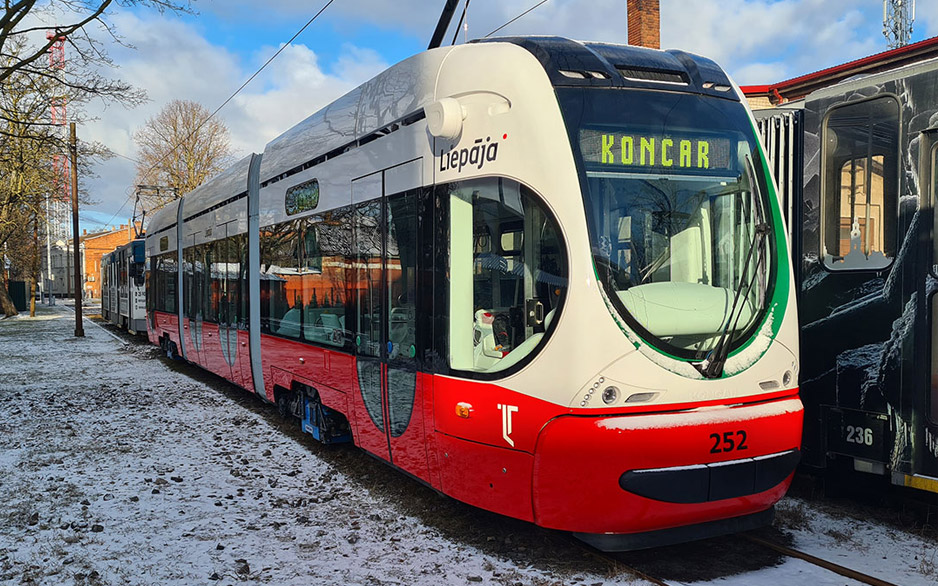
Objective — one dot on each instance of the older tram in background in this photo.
(123, 291)
(857, 161)
(547, 278)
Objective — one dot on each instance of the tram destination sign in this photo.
(660, 152)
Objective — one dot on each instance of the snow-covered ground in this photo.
(119, 467)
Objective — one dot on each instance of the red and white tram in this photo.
(547, 278)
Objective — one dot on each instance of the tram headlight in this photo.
(786, 378)
(641, 397)
(610, 395)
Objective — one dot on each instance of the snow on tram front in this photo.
(547, 278)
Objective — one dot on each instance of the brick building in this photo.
(91, 247)
(97, 245)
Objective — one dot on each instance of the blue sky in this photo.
(241, 34)
(206, 56)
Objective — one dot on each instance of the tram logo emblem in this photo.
(483, 150)
(507, 410)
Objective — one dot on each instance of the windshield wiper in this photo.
(712, 366)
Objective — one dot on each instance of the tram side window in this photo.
(210, 292)
(933, 386)
(164, 283)
(122, 271)
(304, 278)
(154, 301)
(237, 274)
(281, 293)
(190, 283)
(327, 239)
(225, 284)
(861, 180)
(196, 275)
(507, 273)
(215, 276)
(244, 321)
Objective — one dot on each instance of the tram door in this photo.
(192, 283)
(226, 274)
(389, 421)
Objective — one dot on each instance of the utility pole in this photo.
(898, 16)
(73, 153)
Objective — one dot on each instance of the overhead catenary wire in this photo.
(225, 103)
(262, 67)
(515, 18)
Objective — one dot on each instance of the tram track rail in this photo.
(814, 560)
(616, 561)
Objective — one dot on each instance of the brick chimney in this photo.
(644, 23)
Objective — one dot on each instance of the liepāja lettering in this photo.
(482, 151)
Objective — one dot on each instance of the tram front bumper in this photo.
(651, 472)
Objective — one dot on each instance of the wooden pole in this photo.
(73, 153)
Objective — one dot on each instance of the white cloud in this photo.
(296, 87)
(172, 60)
(804, 35)
(760, 73)
(926, 18)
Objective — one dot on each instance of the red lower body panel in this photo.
(488, 477)
(580, 461)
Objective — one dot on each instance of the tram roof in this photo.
(583, 63)
(230, 183)
(398, 95)
(164, 217)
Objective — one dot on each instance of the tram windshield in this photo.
(677, 212)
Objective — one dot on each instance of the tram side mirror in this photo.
(444, 118)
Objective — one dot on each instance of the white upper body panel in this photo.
(509, 104)
(162, 225)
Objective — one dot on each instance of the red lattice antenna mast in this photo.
(58, 108)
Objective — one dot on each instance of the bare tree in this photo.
(38, 24)
(28, 177)
(31, 84)
(180, 147)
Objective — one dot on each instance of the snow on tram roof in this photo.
(389, 97)
(163, 217)
(231, 182)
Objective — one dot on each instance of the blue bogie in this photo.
(324, 424)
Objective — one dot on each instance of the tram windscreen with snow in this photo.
(675, 197)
